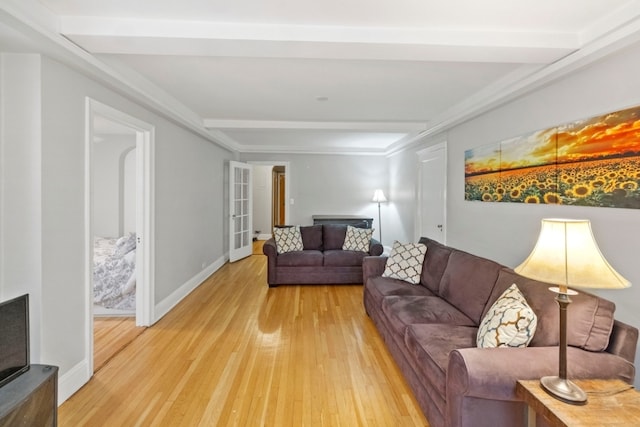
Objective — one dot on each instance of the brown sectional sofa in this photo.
(430, 329)
(322, 260)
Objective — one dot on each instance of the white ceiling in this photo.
(332, 75)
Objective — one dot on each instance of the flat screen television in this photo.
(14, 338)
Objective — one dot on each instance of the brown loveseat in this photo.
(322, 260)
(430, 329)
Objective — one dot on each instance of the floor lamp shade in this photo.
(566, 254)
(378, 197)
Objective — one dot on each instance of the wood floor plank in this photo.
(237, 353)
(111, 335)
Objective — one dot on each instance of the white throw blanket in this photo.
(114, 267)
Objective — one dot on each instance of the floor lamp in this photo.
(378, 197)
(567, 254)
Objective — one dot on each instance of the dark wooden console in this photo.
(31, 399)
(342, 219)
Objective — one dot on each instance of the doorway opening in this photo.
(118, 187)
(271, 189)
(279, 206)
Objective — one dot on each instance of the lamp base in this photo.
(564, 390)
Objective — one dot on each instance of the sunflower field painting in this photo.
(592, 162)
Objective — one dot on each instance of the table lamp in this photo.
(566, 254)
(378, 197)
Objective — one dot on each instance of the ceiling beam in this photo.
(315, 125)
(173, 37)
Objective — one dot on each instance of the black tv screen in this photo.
(14, 338)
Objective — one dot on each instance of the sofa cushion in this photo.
(380, 287)
(589, 318)
(430, 345)
(510, 322)
(405, 262)
(333, 236)
(288, 239)
(357, 239)
(300, 258)
(435, 263)
(340, 258)
(312, 237)
(402, 311)
(467, 283)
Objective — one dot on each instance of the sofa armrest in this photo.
(375, 248)
(623, 340)
(492, 373)
(270, 250)
(372, 266)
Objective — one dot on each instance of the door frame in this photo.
(145, 217)
(425, 155)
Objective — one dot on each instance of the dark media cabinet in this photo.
(31, 399)
(354, 220)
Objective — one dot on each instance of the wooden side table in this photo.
(609, 403)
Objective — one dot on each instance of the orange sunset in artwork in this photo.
(593, 162)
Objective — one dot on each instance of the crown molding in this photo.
(40, 25)
(529, 78)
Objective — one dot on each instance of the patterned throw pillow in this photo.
(288, 239)
(357, 239)
(405, 262)
(510, 322)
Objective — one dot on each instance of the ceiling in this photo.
(331, 76)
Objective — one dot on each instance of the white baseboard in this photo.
(72, 381)
(164, 306)
(264, 236)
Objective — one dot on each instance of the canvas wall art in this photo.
(592, 162)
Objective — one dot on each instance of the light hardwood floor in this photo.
(236, 353)
(110, 336)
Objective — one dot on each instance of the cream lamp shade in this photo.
(567, 254)
(378, 196)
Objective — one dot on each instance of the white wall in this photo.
(43, 202)
(403, 193)
(110, 189)
(262, 198)
(129, 193)
(21, 187)
(332, 184)
(506, 232)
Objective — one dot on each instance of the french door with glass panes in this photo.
(241, 221)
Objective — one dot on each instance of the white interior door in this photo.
(432, 192)
(240, 211)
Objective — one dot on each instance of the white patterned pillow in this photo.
(288, 239)
(510, 322)
(405, 262)
(357, 239)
